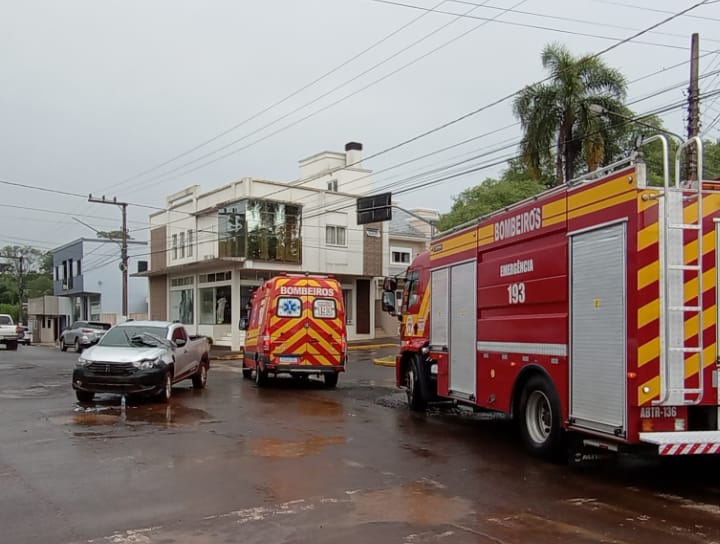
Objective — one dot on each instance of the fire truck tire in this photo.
(415, 385)
(540, 418)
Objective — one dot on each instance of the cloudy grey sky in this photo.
(101, 95)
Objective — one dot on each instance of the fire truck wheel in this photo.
(415, 386)
(539, 418)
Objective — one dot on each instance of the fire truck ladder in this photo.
(674, 312)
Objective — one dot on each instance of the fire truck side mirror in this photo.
(388, 302)
(389, 284)
(243, 324)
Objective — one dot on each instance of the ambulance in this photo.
(296, 326)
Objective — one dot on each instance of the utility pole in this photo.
(694, 106)
(123, 247)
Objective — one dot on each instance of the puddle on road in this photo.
(420, 503)
(287, 449)
(317, 407)
(166, 415)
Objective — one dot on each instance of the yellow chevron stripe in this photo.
(649, 351)
(648, 236)
(648, 274)
(648, 313)
(554, 212)
(601, 205)
(486, 235)
(599, 195)
(653, 386)
(453, 245)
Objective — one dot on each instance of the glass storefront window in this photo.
(215, 305)
(181, 306)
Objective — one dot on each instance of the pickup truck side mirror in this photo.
(180, 342)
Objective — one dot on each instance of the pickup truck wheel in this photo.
(199, 380)
(84, 396)
(78, 347)
(63, 345)
(331, 380)
(12, 345)
(166, 391)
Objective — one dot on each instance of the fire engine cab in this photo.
(588, 313)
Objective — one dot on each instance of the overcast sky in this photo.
(100, 96)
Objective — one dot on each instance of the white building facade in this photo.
(87, 272)
(210, 250)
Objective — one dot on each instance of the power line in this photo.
(655, 10)
(320, 110)
(279, 102)
(525, 25)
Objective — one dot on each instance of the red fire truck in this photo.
(588, 313)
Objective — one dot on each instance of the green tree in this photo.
(556, 118)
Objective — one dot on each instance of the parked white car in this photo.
(83, 334)
(9, 332)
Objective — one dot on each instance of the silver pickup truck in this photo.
(9, 332)
(142, 357)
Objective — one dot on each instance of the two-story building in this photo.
(210, 250)
(87, 272)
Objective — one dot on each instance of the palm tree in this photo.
(556, 113)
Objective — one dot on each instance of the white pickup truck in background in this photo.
(9, 332)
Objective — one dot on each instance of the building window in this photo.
(189, 243)
(181, 306)
(78, 268)
(400, 257)
(181, 243)
(174, 247)
(179, 282)
(332, 185)
(217, 276)
(215, 305)
(261, 230)
(335, 235)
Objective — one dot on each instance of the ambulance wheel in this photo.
(331, 379)
(260, 376)
(415, 386)
(540, 418)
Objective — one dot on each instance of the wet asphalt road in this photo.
(294, 463)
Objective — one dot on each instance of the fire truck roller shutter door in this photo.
(598, 328)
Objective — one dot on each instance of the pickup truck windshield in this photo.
(122, 336)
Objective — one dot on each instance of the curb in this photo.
(382, 362)
(371, 346)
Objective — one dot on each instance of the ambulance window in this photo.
(289, 307)
(324, 308)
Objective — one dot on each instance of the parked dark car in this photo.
(83, 334)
